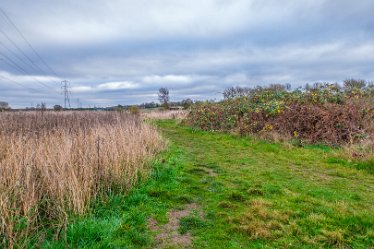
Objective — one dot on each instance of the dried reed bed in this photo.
(56, 164)
(165, 114)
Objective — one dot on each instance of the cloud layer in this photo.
(121, 52)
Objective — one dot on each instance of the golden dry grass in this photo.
(165, 114)
(56, 164)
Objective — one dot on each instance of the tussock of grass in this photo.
(184, 199)
(197, 171)
(256, 191)
(236, 197)
(226, 204)
(190, 223)
(332, 238)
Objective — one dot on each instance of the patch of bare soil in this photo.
(168, 235)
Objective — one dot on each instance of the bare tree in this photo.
(233, 92)
(186, 103)
(279, 87)
(353, 84)
(163, 97)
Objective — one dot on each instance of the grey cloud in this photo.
(121, 52)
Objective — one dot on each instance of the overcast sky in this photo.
(120, 52)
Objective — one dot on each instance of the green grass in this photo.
(191, 223)
(252, 194)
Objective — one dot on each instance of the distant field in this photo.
(164, 114)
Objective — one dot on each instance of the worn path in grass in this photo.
(212, 190)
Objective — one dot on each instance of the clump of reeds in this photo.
(55, 164)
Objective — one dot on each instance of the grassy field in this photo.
(212, 190)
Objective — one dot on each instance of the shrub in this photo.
(329, 123)
(324, 112)
(134, 110)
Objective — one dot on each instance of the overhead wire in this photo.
(13, 53)
(18, 83)
(29, 62)
(20, 69)
(34, 65)
(12, 63)
(15, 65)
(28, 43)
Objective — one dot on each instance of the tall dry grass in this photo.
(56, 164)
(165, 114)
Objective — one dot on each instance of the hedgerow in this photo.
(324, 113)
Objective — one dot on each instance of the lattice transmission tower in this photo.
(65, 91)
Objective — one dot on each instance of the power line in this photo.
(66, 92)
(18, 67)
(9, 61)
(13, 53)
(34, 66)
(79, 103)
(18, 83)
(28, 43)
(23, 53)
(14, 65)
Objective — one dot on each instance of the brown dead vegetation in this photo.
(55, 164)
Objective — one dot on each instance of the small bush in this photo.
(134, 110)
(329, 123)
